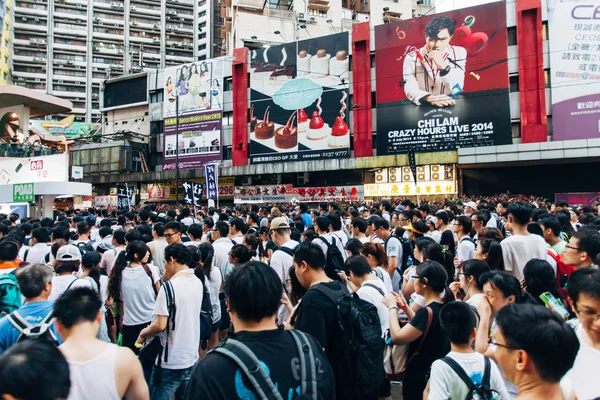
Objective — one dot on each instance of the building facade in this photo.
(68, 47)
(6, 16)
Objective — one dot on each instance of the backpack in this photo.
(407, 251)
(563, 272)
(358, 348)
(10, 295)
(334, 258)
(85, 247)
(153, 348)
(27, 331)
(206, 319)
(251, 367)
(476, 392)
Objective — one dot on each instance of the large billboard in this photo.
(299, 100)
(52, 168)
(575, 66)
(442, 81)
(196, 89)
(66, 127)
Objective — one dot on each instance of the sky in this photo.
(449, 5)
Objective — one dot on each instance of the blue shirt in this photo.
(33, 313)
(307, 220)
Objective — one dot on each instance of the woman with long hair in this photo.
(213, 281)
(193, 85)
(469, 273)
(252, 242)
(539, 277)
(407, 282)
(136, 286)
(353, 247)
(265, 244)
(378, 260)
(430, 279)
(89, 271)
(490, 251)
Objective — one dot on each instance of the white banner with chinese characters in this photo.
(410, 189)
(262, 194)
(52, 168)
(329, 193)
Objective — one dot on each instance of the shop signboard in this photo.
(389, 190)
(105, 201)
(329, 193)
(52, 168)
(575, 65)
(263, 194)
(196, 90)
(24, 192)
(299, 100)
(442, 81)
(166, 190)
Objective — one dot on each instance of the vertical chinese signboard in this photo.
(299, 100)
(442, 81)
(195, 89)
(575, 65)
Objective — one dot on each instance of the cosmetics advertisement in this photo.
(299, 101)
(196, 91)
(442, 81)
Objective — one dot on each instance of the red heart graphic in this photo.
(472, 42)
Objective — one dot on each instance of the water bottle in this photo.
(409, 262)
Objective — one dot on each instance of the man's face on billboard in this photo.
(441, 42)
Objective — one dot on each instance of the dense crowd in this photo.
(462, 299)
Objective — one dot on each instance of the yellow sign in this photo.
(410, 189)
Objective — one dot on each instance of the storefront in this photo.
(166, 191)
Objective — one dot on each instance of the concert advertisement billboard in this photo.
(442, 81)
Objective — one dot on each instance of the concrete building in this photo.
(6, 41)
(68, 47)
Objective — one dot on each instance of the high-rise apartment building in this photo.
(67, 47)
(5, 40)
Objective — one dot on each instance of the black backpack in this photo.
(27, 331)
(85, 247)
(407, 251)
(251, 367)
(334, 260)
(358, 349)
(479, 392)
(206, 318)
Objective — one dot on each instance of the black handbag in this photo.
(151, 350)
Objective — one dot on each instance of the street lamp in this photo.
(174, 98)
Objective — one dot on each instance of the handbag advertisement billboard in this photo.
(195, 89)
(442, 81)
(299, 100)
(575, 65)
(52, 168)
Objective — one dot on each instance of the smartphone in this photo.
(553, 304)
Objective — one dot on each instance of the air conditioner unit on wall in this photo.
(247, 181)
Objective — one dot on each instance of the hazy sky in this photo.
(449, 5)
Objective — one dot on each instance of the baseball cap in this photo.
(162, 215)
(413, 229)
(279, 223)
(92, 257)
(432, 219)
(471, 204)
(400, 208)
(68, 253)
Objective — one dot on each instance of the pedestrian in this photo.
(466, 245)
(214, 282)
(158, 245)
(67, 265)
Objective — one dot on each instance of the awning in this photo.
(49, 188)
(40, 104)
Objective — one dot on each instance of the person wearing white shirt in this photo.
(68, 260)
(179, 331)
(39, 249)
(335, 227)
(359, 229)
(236, 228)
(195, 235)
(222, 245)
(282, 258)
(466, 247)
(322, 229)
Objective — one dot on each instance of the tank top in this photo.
(158, 258)
(95, 378)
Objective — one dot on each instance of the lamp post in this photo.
(175, 98)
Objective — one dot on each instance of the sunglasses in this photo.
(168, 235)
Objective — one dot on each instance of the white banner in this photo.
(52, 168)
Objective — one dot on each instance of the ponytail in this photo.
(116, 276)
(382, 257)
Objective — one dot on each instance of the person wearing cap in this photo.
(282, 258)
(433, 232)
(68, 260)
(470, 208)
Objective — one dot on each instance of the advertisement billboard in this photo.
(287, 193)
(66, 127)
(575, 66)
(442, 81)
(299, 100)
(52, 168)
(196, 90)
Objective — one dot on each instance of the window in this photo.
(202, 36)
(512, 36)
(514, 83)
(228, 84)
(5, 59)
(6, 42)
(544, 30)
(156, 97)
(313, 12)
(202, 14)
(547, 78)
(322, 14)
(202, 47)
(156, 127)
(5, 76)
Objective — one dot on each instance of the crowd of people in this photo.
(14, 148)
(454, 300)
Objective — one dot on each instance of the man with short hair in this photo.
(466, 246)
(551, 228)
(39, 250)
(584, 297)
(173, 232)
(335, 229)
(535, 349)
(459, 323)
(583, 249)
(104, 369)
(83, 234)
(187, 219)
(306, 218)
(9, 251)
(237, 228)
(178, 326)
(447, 236)
(521, 246)
(385, 207)
(109, 257)
(282, 258)
(207, 225)
(479, 220)
(501, 207)
(322, 229)
(158, 245)
(222, 246)
(424, 211)
(359, 229)
(35, 283)
(195, 235)
(393, 249)
(253, 314)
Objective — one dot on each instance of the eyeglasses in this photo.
(572, 247)
(491, 341)
(586, 314)
(475, 220)
(169, 235)
(416, 277)
(462, 273)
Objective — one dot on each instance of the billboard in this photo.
(442, 81)
(575, 66)
(196, 89)
(299, 100)
(66, 127)
(52, 168)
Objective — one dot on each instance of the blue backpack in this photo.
(10, 295)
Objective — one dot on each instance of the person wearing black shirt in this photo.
(430, 282)
(254, 294)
